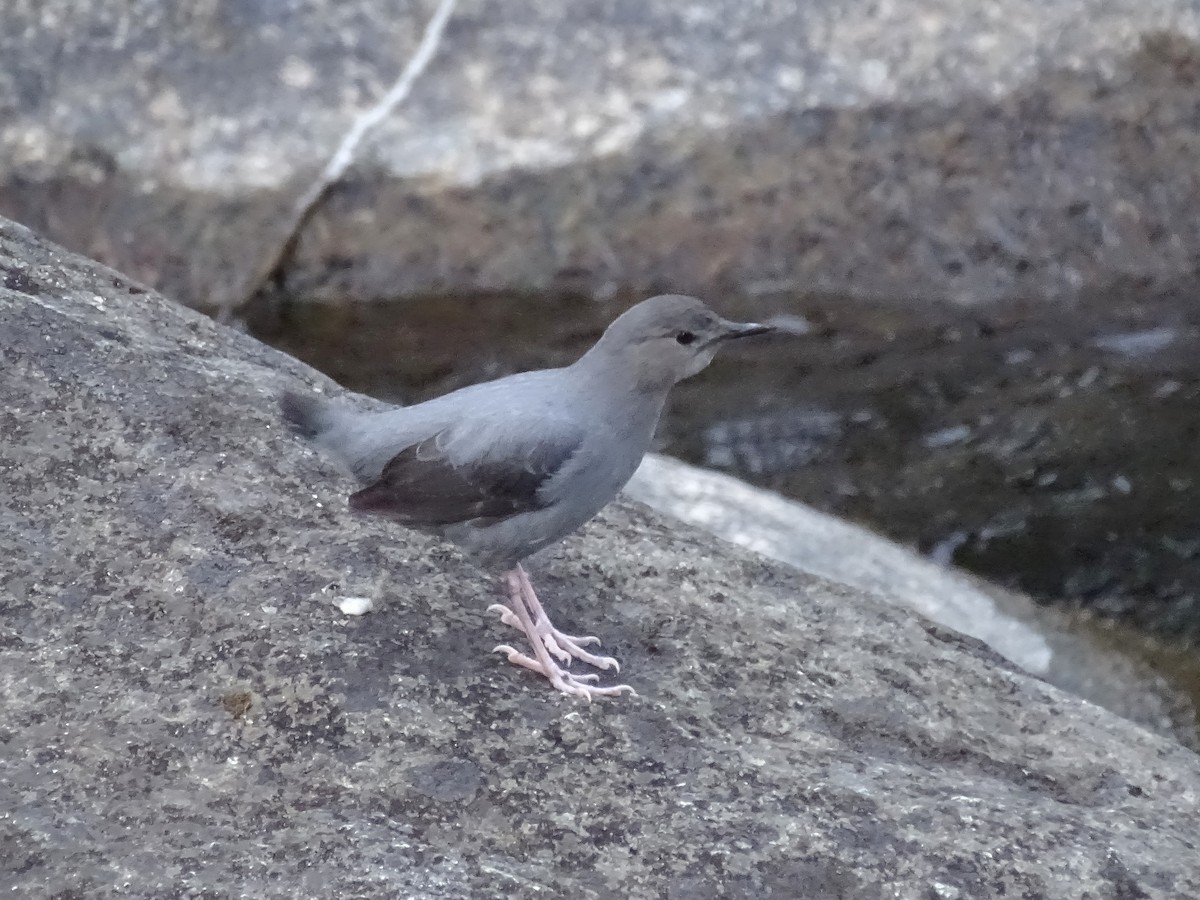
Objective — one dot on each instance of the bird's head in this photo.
(668, 338)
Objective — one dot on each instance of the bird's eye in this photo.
(685, 337)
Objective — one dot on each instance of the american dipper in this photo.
(508, 467)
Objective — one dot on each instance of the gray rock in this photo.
(188, 714)
(1034, 149)
(1049, 643)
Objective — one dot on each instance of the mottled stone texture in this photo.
(1031, 147)
(186, 713)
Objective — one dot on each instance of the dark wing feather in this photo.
(419, 486)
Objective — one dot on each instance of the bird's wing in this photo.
(423, 485)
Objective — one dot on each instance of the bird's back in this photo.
(479, 420)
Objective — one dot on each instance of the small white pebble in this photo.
(1122, 484)
(355, 606)
(270, 610)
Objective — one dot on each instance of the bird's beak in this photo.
(743, 329)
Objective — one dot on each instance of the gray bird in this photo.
(508, 467)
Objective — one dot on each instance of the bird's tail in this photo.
(310, 414)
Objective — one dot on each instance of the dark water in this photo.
(1049, 449)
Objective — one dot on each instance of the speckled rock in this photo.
(187, 713)
(1039, 147)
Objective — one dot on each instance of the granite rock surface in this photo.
(187, 713)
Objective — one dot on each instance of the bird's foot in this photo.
(568, 683)
(564, 647)
(525, 613)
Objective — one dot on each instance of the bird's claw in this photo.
(526, 614)
(567, 682)
(506, 615)
(564, 647)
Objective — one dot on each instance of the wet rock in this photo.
(767, 445)
(187, 713)
(1036, 149)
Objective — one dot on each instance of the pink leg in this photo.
(522, 617)
(564, 647)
